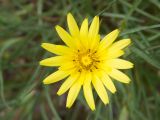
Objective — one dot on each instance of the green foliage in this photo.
(24, 25)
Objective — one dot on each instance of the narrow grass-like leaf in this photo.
(4, 47)
(54, 111)
(146, 57)
(141, 11)
(140, 29)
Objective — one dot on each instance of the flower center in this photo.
(86, 60)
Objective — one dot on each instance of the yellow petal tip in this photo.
(129, 41)
(132, 66)
(40, 63)
(59, 93)
(127, 82)
(43, 45)
(114, 91)
(69, 14)
(106, 103)
(118, 31)
(96, 16)
(56, 27)
(86, 19)
(68, 106)
(93, 109)
(45, 82)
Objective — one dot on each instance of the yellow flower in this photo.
(86, 61)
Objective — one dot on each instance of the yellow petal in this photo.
(72, 25)
(114, 54)
(119, 64)
(84, 33)
(105, 54)
(109, 39)
(67, 39)
(95, 42)
(84, 28)
(108, 83)
(120, 76)
(68, 83)
(73, 93)
(94, 28)
(74, 90)
(82, 77)
(88, 91)
(56, 49)
(100, 89)
(120, 45)
(56, 76)
(53, 61)
(105, 67)
(67, 66)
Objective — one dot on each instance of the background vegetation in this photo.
(25, 24)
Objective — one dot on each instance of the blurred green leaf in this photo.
(123, 114)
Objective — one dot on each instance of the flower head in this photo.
(86, 61)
